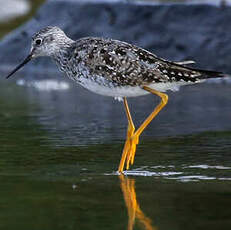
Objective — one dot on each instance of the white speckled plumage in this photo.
(111, 67)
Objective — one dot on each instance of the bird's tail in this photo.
(205, 74)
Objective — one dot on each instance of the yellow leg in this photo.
(133, 137)
(130, 132)
(159, 107)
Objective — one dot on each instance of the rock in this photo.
(175, 32)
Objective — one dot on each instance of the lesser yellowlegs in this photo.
(117, 69)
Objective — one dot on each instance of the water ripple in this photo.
(181, 174)
(208, 167)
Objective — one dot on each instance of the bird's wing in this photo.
(119, 62)
(126, 64)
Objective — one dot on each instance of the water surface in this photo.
(60, 146)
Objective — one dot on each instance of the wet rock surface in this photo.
(175, 32)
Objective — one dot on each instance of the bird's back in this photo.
(121, 64)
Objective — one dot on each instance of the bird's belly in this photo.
(109, 89)
(112, 90)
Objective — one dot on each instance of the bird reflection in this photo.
(134, 212)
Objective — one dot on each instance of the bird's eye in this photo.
(38, 41)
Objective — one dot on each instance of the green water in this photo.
(60, 149)
(59, 153)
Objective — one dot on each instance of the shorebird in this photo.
(117, 69)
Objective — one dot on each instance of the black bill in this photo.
(28, 58)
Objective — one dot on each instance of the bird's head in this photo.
(46, 42)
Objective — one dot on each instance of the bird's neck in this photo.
(63, 55)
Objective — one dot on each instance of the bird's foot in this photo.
(128, 152)
(129, 149)
(134, 140)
